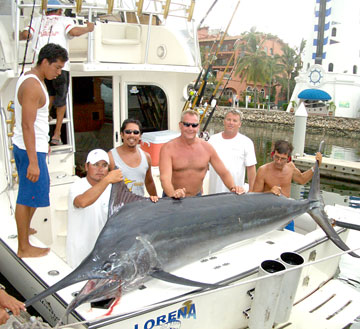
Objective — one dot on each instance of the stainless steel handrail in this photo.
(5, 142)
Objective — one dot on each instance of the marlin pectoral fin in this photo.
(166, 276)
(322, 220)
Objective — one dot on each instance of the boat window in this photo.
(148, 104)
(92, 113)
(333, 32)
(331, 67)
(355, 69)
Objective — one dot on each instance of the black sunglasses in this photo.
(129, 131)
(187, 124)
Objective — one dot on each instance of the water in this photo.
(334, 191)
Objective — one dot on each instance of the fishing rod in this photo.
(215, 55)
(219, 97)
(27, 39)
(196, 85)
(206, 15)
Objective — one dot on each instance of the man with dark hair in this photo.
(55, 28)
(276, 176)
(134, 163)
(30, 140)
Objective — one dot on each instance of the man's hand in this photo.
(90, 26)
(11, 303)
(114, 176)
(276, 190)
(237, 190)
(179, 193)
(33, 172)
(154, 198)
(318, 157)
(4, 316)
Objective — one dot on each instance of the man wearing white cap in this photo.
(88, 206)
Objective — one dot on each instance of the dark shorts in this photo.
(32, 194)
(58, 88)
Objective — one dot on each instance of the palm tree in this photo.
(253, 64)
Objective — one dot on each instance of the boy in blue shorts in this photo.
(31, 137)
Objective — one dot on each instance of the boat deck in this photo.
(333, 168)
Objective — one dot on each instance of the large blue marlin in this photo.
(143, 239)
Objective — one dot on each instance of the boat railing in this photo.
(6, 148)
(100, 48)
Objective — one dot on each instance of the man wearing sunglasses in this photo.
(276, 176)
(184, 161)
(88, 205)
(134, 163)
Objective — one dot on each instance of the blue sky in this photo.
(291, 20)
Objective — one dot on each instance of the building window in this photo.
(333, 32)
(355, 69)
(331, 67)
(271, 51)
(262, 92)
(248, 89)
(265, 50)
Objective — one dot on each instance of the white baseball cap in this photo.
(96, 156)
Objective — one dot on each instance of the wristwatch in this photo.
(2, 287)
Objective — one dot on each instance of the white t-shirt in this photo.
(51, 29)
(237, 153)
(84, 224)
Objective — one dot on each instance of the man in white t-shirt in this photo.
(88, 206)
(237, 153)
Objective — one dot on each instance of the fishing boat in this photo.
(139, 62)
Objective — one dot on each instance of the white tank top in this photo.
(41, 124)
(134, 178)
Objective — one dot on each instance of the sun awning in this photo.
(314, 94)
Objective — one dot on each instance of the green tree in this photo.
(253, 64)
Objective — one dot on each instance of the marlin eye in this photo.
(107, 267)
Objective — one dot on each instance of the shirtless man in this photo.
(185, 160)
(276, 177)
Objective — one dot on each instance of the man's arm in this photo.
(259, 183)
(303, 178)
(92, 194)
(223, 173)
(30, 96)
(165, 166)
(149, 181)
(11, 303)
(80, 30)
(23, 35)
(251, 174)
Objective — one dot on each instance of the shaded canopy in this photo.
(314, 94)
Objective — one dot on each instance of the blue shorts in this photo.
(290, 226)
(32, 194)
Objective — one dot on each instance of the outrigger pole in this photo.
(203, 83)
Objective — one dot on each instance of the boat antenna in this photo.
(28, 38)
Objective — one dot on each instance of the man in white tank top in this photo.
(134, 163)
(30, 142)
